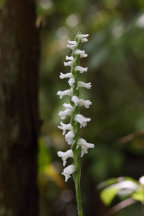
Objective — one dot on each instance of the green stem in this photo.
(76, 128)
(78, 193)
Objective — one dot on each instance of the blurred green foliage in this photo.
(116, 70)
(127, 190)
(44, 157)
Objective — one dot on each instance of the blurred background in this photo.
(116, 70)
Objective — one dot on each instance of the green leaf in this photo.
(138, 195)
(107, 195)
(124, 188)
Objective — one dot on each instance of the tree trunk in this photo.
(19, 55)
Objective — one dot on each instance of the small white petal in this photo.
(81, 69)
(67, 75)
(68, 171)
(71, 81)
(64, 93)
(81, 53)
(65, 155)
(84, 146)
(65, 127)
(69, 137)
(69, 58)
(84, 85)
(81, 102)
(82, 120)
(69, 63)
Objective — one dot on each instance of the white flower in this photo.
(69, 58)
(68, 171)
(84, 85)
(66, 112)
(65, 155)
(69, 106)
(64, 93)
(84, 146)
(81, 102)
(71, 81)
(72, 44)
(83, 37)
(69, 137)
(84, 40)
(65, 127)
(81, 69)
(69, 63)
(81, 53)
(82, 120)
(67, 75)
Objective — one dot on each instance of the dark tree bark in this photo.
(19, 55)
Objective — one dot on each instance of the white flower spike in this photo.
(71, 130)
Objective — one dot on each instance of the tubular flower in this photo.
(69, 137)
(63, 93)
(84, 85)
(81, 102)
(63, 76)
(81, 53)
(82, 120)
(65, 155)
(79, 146)
(65, 113)
(85, 146)
(65, 127)
(81, 69)
(68, 171)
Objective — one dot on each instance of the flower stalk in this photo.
(79, 146)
